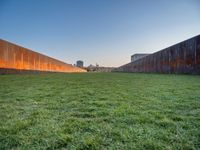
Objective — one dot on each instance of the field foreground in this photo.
(99, 111)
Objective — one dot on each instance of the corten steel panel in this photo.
(197, 58)
(15, 58)
(183, 57)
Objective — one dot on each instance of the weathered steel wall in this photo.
(183, 57)
(14, 57)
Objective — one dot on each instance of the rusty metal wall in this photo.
(183, 57)
(19, 58)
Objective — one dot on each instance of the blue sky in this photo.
(106, 32)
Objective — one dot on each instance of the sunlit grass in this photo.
(99, 111)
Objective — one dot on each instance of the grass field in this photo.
(100, 111)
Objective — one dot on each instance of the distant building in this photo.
(79, 63)
(97, 68)
(137, 56)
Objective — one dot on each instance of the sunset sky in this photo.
(106, 32)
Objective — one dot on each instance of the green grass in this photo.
(100, 111)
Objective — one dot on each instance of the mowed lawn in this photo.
(100, 111)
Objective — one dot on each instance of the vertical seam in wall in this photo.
(14, 59)
(169, 60)
(39, 63)
(6, 56)
(34, 63)
(22, 60)
(195, 52)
